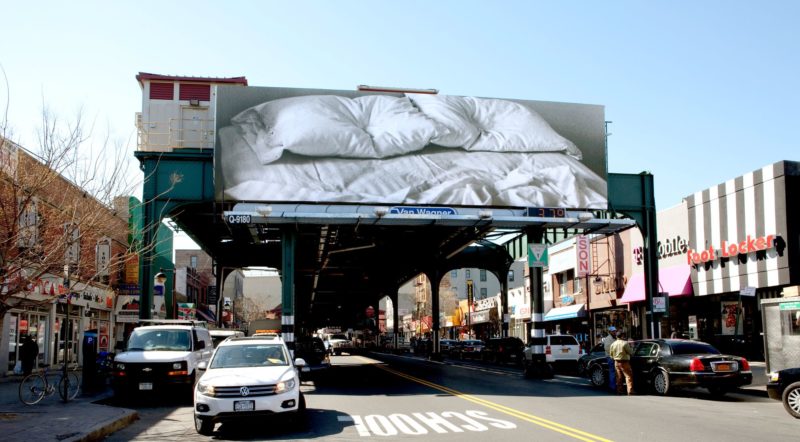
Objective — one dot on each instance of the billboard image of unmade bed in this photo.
(328, 146)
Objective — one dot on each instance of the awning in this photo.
(207, 316)
(676, 280)
(570, 311)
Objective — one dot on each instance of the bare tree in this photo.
(58, 231)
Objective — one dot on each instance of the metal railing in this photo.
(174, 133)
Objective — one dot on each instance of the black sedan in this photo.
(586, 360)
(666, 364)
(784, 385)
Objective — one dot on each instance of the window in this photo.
(483, 274)
(193, 261)
(161, 91)
(455, 291)
(483, 292)
(466, 273)
(511, 275)
(562, 283)
(454, 274)
(201, 92)
(576, 284)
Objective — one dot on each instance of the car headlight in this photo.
(205, 389)
(774, 377)
(120, 366)
(177, 365)
(284, 386)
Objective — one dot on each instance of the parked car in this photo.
(504, 350)
(784, 385)
(558, 350)
(467, 349)
(252, 377)
(445, 345)
(159, 357)
(596, 352)
(312, 350)
(666, 364)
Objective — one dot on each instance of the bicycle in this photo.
(35, 386)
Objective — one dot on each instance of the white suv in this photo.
(557, 349)
(246, 378)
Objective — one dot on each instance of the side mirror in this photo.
(201, 345)
(202, 365)
(300, 363)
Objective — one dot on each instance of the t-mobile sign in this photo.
(582, 252)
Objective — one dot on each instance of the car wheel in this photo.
(791, 399)
(717, 391)
(203, 426)
(598, 376)
(661, 382)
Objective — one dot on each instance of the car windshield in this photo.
(473, 342)
(160, 340)
(693, 348)
(251, 355)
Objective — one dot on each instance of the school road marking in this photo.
(536, 420)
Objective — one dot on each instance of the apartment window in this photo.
(483, 293)
(562, 283)
(511, 276)
(466, 273)
(483, 274)
(193, 261)
(576, 284)
(454, 274)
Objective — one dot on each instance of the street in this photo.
(400, 397)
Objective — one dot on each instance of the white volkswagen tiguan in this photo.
(248, 377)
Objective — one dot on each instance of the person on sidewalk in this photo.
(607, 341)
(621, 351)
(28, 354)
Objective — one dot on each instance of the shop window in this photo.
(483, 274)
(561, 278)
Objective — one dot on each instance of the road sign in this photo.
(537, 255)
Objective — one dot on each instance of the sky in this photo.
(697, 92)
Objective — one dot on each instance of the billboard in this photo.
(328, 146)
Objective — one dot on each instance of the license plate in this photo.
(723, 366)
(564, 350)
(145, 385)
(244, 405)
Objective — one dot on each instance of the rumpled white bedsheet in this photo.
(430, 176)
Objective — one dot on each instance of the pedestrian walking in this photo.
(609, 339)
(28, 354)
(621, 351)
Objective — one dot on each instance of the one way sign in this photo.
(537, 255)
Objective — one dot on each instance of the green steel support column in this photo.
(504, 299)
(288, 244)
(650, 252)
(149, 225)
(633, 195)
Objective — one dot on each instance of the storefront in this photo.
(743, 236)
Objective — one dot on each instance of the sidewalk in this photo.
(53, 420)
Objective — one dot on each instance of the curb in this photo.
(108, 427)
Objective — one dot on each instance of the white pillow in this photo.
(490, 124)
(372, 126)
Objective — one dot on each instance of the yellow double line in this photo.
(550, 425)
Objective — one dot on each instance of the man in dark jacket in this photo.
(28, 354)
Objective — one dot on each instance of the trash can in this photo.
(90, 376)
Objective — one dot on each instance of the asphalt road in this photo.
(405, 398)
